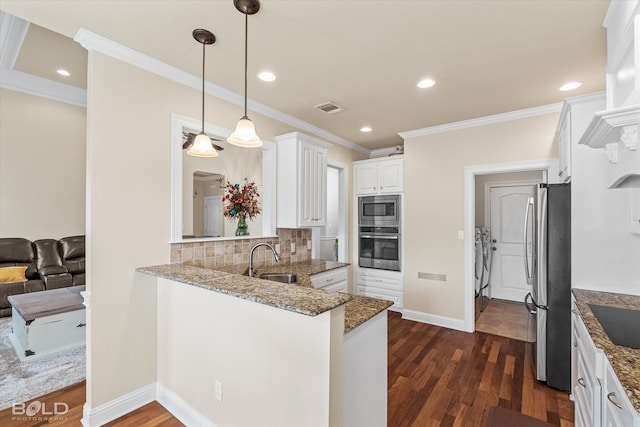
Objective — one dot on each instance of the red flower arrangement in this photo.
(241, 202)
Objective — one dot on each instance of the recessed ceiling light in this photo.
(266, 76)
(63, 72)
(570, 86)
(423, 84)
(365, 129)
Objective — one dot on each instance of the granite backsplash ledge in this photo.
(234, 252)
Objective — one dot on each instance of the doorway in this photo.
(474, 184)
(500, 205)
(330, 242)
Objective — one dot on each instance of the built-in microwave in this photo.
(379, 211)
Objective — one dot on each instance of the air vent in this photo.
(329, 107)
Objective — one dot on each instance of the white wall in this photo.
(434, 201)
(42, 167)
(129, 212)
(277, 368)
(604, 253)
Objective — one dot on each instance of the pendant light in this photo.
(202, 145)
(245, 133)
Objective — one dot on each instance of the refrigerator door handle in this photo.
(531, 306)
(525, 239)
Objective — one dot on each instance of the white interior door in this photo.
(213, 216)
(507, 210)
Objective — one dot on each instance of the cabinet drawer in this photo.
(337, 287)
(379, 279)
(586, 345)
(587, 390)
(617, 408)
(330, 277)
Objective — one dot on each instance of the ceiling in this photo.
(487, 57)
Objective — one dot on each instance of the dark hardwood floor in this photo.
(437, 377)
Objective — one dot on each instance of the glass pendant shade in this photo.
(245, 134)
(202, 147)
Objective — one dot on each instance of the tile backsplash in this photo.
(230, 252)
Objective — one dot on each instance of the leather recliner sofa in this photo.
(50, 264)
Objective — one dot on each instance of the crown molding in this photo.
(481, 121)
(95, 42)
(45, 88)
(12, 33)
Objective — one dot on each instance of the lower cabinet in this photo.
(617, 410)
(331, 280)
(599, 398)
(380, 284)
(585, 384)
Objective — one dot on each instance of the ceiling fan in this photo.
(188, 137)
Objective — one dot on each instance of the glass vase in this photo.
(243, 228)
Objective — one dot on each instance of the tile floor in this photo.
(507, 319)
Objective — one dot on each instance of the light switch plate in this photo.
(308, 244)
(460, 234)
(278, 247)
(293, 247)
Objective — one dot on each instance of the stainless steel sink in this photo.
(280, 277)
(620, 324)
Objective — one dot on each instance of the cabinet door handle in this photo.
(610, 396)
(581, 382)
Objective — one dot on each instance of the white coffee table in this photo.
(47, 322)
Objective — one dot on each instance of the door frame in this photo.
(549, 168)
(487, 198)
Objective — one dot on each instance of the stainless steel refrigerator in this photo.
(547, 256)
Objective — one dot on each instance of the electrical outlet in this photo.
(218, 391)
(278, 247)
(293, 247)
(460, 234)
(308, 244)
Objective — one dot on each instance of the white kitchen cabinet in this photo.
(379, 176)
(331, 280)
(381, 284)
(563, 141)
(586, 361)
(615, 129)
(302, 181)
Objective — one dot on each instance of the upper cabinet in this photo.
(563, 139)
(616, 129)
(378, 176)
(302, 181)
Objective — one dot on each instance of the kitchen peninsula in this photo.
(238, 350)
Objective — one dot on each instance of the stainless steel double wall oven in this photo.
(379, 227)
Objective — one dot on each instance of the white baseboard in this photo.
(100, 415)
(434, 319)
(180, 409)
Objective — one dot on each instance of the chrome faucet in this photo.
(275, 256)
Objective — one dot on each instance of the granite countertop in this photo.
(310, 302)
(301, 298)
(624, 360)
(302, 269)
(360, 309)
(357, 310)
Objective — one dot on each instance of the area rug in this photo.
(23, 381)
